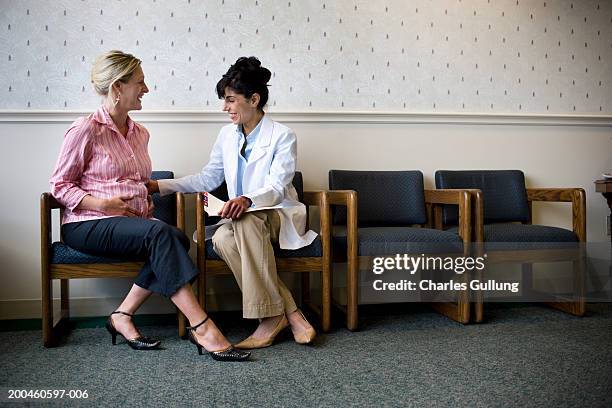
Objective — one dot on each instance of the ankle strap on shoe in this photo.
(123, 313)
(198, 325)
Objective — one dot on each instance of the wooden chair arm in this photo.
(477, 212)
(200, 215)
(320, 199)
(459, 197)
(200, 234)
(314, 197)
(577, 196)
(180, 211)
(552, 194)
(445, 196)
(348, 198)
(477, 215)
(47, 203)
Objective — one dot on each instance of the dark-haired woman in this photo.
(100, 179)
(257, 158)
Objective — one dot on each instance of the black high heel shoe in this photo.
(137, 343)
(229, 354)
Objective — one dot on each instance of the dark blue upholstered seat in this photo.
(63, 254)
(399, 240)
(389, 203)
(509, 236)
(165, 210)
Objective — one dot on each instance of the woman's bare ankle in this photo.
(124, 325)
(211, 337)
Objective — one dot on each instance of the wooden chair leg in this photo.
(477, 299)
(458, 311)
(47, 309)
(51, 329)
(573, 308)
(65, 298)
(580, 268)
(182, 332)
(477, 312)
(202, 289)
(578, 306)
(352, 294)
(463, 307)
(325, 298)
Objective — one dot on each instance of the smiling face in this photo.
(132, 91)
(241, 110)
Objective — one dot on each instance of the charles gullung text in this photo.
(459, 265)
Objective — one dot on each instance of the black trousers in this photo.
(164, 249)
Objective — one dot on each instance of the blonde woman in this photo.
(100, 178)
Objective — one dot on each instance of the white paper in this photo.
(213, 206)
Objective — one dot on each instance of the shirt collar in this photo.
(254, 132)
(102, 116)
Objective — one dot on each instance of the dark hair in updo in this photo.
(246, 77)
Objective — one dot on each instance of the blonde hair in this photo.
(111, 67)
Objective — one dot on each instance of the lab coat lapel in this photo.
(263, 140)
(232, 160)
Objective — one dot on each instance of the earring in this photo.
(116, 100)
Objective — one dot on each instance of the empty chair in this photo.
(378, 213)
(505, 226)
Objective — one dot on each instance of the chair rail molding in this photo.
(349, 117)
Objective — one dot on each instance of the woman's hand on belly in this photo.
(118, 206)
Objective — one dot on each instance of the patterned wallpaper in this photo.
(491, 56)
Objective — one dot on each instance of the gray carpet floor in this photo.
(524, 355)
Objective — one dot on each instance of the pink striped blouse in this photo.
(96, 159)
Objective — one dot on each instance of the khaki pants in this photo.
(246, 246)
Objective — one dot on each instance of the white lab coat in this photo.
(267, 177)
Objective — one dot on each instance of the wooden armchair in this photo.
(503, 227)
(383, 213)
(314, 258)
(60, 262)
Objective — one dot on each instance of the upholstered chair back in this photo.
(385, 198)
(504, 193)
